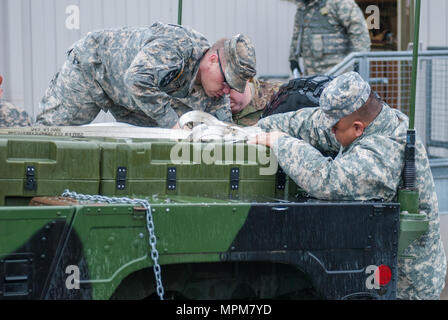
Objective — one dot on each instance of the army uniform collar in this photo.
(248, 110)
(385, 119)
(252, 106)
(196, 67)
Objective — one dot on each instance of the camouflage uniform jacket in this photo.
(12, 116)
(325, 32)
(262, 92)
(370, 168)
(149, 70)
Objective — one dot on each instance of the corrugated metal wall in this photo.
(434, 23)
(35, 34)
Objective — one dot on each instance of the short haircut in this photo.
(219, 45)
(370, 110)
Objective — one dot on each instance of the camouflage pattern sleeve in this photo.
(305, 124)
(154, 67)
(282, 121)
(361, 174)
(12, 116)
(348, 13)
(263, 92)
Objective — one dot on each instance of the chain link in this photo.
(149, 226)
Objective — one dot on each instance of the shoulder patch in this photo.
(169, 75)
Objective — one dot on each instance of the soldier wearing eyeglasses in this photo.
(147, 76)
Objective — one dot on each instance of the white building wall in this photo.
(434, 23)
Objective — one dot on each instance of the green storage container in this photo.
(45, 166)
(215, 170)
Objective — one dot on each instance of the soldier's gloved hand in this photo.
(293, 65)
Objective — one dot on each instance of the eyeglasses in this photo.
(222, 72)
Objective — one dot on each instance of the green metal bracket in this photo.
(179, 13)
(412, 223)
(412, 226)
(414, 65)
(408, 200)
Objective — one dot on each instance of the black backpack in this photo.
(297, 94)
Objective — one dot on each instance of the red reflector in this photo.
(383, 275)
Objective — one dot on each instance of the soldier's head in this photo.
(349, 106)
(227, 65)
(239, 101)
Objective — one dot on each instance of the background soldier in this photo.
(325, 32)
(147, 76)
(371, 139)
(10, 115)
(248, 107)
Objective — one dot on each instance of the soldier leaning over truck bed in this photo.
(370, 138)
(10, 115)
(147, 76)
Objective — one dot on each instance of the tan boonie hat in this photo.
(239, 53)
(342, 96)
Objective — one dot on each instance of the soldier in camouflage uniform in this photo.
(10, 115)
(325, 32)
(147, 76)
(370, 138)
(248, 107)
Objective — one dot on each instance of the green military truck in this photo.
(213, 220)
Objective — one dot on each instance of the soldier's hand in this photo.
(176, 126)
(293, 65)
(266, 138)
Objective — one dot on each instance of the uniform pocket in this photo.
(335, 43)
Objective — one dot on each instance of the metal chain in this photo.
(149, 226)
